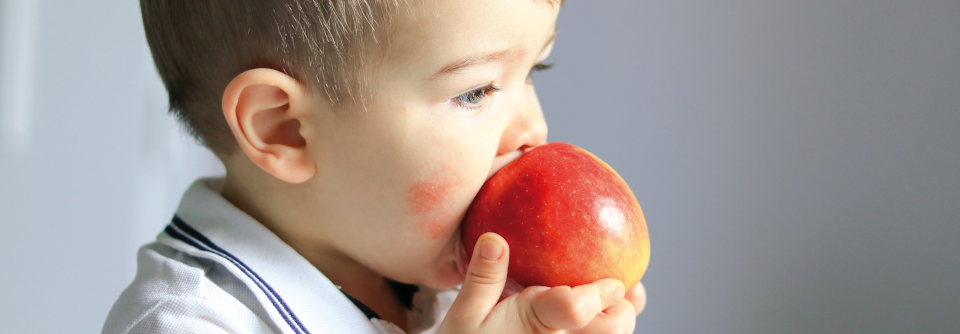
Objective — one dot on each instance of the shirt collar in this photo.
(303, 297)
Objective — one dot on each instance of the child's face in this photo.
(398, 177)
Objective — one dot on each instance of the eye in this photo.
(537, 68)
(475, 97)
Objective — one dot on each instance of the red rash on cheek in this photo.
(427, 195)
(432, 226)
(426, 199)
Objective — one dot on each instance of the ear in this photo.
(265, 110)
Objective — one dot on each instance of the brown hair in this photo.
(200, 45)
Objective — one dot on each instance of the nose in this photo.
(527, 128)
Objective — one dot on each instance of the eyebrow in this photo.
(487, 58)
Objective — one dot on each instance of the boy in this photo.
(355, 134)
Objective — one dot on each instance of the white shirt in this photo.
(215, 269)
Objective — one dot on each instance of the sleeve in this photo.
(172, 294)
(193, 315)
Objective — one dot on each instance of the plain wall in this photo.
(798, 161)
(98, 173)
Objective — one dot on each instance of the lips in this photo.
(505, 159)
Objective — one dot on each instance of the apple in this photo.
(568, 218)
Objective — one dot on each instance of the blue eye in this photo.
(475, 97)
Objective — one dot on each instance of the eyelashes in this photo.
(477, 97)
(541, 67)
(537, 68)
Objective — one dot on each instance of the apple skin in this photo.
(568, 218)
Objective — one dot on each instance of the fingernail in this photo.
(616, 294)
(491, 249)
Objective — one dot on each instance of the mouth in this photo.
(505, 159)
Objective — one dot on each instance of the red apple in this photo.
(568, 218)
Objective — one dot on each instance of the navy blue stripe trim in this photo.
(370, 313)
(282, 308)
(176, 235)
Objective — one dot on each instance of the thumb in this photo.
(484, 280)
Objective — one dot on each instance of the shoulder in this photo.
(187, 315)
(174, 293)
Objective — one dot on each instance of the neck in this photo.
(371, 289)
(353, 278)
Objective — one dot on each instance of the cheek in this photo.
(429, 199)
(427, 196)
(433, 227)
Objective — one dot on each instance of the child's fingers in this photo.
(619, 318)
(638, 296)
(563, 307)
(484, 280)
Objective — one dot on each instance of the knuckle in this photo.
(530, 293)
(562, 290)
(531, 322)
(574, 311)
(485, 276)
(580, 317)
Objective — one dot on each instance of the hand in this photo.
(598, 307)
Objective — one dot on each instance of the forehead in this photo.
(430, 33)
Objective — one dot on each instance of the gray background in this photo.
(797, 160)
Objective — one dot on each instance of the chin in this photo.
(444, 278)
(449, 268)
